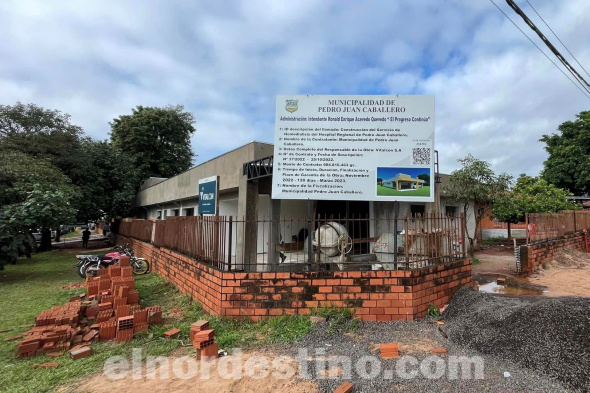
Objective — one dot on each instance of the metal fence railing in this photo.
(137, 229)
(207, 238)
(337, 243)
(547, 226)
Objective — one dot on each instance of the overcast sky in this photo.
(226, 61)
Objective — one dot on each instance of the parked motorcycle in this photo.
(117, 252)
(139, 265)
(88, 265)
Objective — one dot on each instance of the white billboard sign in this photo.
(371, 148)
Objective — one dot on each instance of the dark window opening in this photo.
(417, 209)
(451, 210)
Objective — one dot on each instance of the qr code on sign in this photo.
(421, 156)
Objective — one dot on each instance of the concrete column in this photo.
(275, 232)
(247, 232)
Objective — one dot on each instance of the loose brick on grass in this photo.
(90, 336)
(80, 353)
(171, 333)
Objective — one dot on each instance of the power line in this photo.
(548, 43)
(540, 50)
(549, 27)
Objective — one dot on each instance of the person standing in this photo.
(85, 237)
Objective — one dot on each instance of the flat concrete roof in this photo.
(227, 166)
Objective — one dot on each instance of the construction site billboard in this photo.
(371, 148)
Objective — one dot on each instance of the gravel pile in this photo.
(415, 339)
(550, 336)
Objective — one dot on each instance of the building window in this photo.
(417, 209)
(159, 214)
(451, 210)
(189, 212)
(176, 212)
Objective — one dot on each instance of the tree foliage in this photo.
(426, 178)
(475, 186)
(156, 139)
(33, 194)
(109, 182)
(41, 133)
(531, 195)
(568, 164)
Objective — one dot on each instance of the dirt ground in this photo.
(567, 275)
(215, 383)
(415, 339)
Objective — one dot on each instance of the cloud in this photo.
(496, 95)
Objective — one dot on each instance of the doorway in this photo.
(354, 215)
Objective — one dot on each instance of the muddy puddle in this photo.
(504, 285)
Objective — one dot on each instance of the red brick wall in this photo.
(533, 256)
(374, 295)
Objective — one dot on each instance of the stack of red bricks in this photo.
(203, 340)
(54, 330)
(109, 310)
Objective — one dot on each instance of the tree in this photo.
(568, 164)
(33, 194)
(43, 134)
(105, 177)
(109, 183)
(475, 186)
(530, 195)
(426, 178)
(156, 139)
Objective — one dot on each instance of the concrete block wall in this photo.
(374, 295)
(535, 255)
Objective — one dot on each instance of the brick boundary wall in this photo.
(534, 255)
(374, 295)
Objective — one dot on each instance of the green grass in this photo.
(386, 191)
(494, 240)
(340, 320)
(71, 235)
(36, 284)
(476, 261)
(433, 311)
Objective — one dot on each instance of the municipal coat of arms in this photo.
(291, 106)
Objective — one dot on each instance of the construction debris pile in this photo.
(108, 310)
(550, 335)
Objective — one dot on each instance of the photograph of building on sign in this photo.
(408, 182)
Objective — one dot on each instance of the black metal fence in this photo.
(337, 243)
